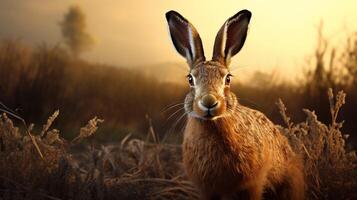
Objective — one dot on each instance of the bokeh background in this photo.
(115, 60)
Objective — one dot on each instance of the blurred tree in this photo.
(74, 31)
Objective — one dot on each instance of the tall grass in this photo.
(38, 81)
(330, 168)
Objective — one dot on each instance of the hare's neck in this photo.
(216, 128)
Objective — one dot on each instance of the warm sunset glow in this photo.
(96, 101)
(282, 33)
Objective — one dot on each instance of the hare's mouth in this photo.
(208, 117)
(207, 114)
(208, 108)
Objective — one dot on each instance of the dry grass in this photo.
(132, 169)
(330, 169)
(138, 169)
(38, 80)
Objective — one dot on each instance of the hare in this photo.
(230, 151)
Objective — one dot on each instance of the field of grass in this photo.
(43, 165)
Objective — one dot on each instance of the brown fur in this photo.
(243, 152)
(240, 152)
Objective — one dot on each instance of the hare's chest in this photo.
(214, 164)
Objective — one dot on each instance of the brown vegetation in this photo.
(330, 169)
(37, 81)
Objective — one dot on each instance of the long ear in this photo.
(186, 39)
(231, 37)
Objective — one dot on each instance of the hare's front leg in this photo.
(256, 188)
(254, 192)
(210, 196)
(293, 186)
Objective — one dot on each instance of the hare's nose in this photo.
(209, 101)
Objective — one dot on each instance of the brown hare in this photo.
(230, 151)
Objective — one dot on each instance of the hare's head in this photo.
(210, 96)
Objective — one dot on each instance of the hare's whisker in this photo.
(173, 114)
(183, 125)
(171, 106)
(173, 126)
(179, 119)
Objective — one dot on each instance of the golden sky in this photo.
(132, 32)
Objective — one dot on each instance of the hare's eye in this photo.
(190, 80)
(228, 79)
